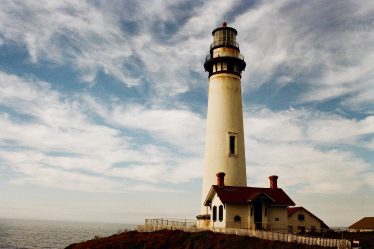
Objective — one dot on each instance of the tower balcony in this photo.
(224, 64)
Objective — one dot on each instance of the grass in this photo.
(167, 239)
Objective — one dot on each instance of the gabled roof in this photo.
(364, 223)
(244, 195)
(292, 210)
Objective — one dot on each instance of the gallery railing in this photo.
(209, 56)
(222, 43)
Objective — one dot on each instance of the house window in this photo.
(237, 218)
(220, 213)
(214, 213)
(232, 148)
(313, 229)
(214, 68)
(301, 217)
(276, 219)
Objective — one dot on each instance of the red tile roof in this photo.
(364, 223)
(292, 210)
(243, 195)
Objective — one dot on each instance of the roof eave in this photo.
(210, 196)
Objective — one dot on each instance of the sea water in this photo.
(35, 234)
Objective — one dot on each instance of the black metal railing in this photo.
(224, 44)
(209, 56)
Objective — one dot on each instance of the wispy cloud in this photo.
(61, 136)
(306, 148)
(325, 45)
(94, 38)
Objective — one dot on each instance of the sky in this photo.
(103, 105)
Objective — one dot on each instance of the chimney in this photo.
(273, 182)
(220, 179)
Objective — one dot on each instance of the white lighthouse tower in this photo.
(224, 143)
(227, 201)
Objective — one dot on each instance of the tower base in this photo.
(203, 221)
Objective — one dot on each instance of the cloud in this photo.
(306, 149)
(46, 134)
(177, 126)
(161, 46)
(308, 126)
(126, 40)
(306, 168)
(68, 32)
(32, 169)
(326, 46)
(182, 128)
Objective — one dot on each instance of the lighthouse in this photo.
(224, 142)
(227, 201)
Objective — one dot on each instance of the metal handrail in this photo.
(170, 222)
(224, 43)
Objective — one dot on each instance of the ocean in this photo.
(36, 234)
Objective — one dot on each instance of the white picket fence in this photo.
(163, 224)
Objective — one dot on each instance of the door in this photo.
(257, 206)
(301, 230)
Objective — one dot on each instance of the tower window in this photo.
(214, 213)
(220, 213)
(232, 144)
(218, 66)
(224, 66)
(224, 37)
(230, 67)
